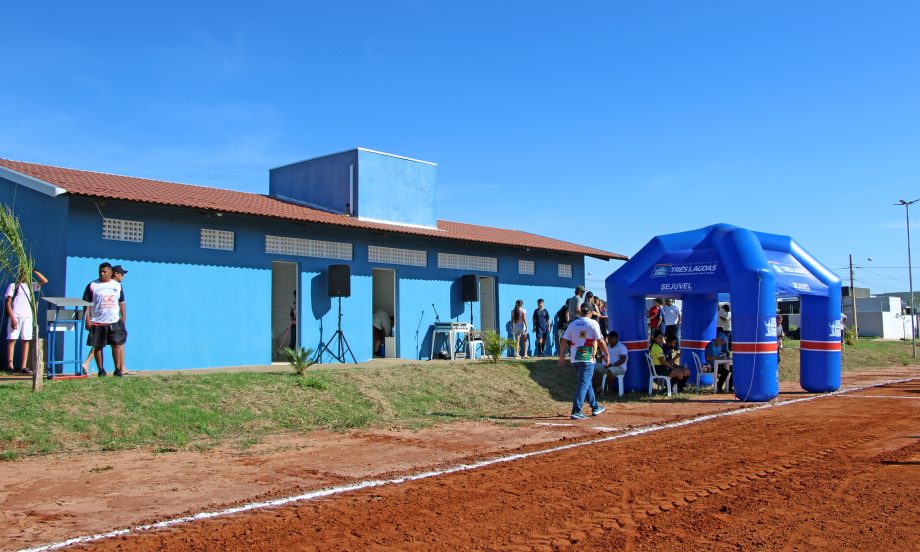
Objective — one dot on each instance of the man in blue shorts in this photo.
(583, 337)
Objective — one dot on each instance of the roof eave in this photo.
(31, 182)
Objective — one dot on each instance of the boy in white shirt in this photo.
(19, 313)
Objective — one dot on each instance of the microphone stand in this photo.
(417, 350)
(436, 317)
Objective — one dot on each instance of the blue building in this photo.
(213, 273)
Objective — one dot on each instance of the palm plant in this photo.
(17, 260)
(298, 358)
(495, 345)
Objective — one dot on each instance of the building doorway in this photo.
(487, 303)
(285, 308)
(384, 301)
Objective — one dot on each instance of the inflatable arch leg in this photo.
(754, 359)
(820, 352)
(698, 328)
(627, 318)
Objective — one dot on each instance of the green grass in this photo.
(200, 412)
(866, 354)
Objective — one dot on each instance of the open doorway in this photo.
(383, 311)
(285, 308)
(487, 303)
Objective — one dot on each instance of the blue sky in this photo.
(603, 123)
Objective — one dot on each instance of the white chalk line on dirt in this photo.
(879, 397)
(435, 473)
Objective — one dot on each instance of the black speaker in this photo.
(339, 281)
(470, 287)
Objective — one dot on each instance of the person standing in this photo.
(575, 302)
(519, 328)
(654, 317)
(725, 323)
(118, 274)
(541, 324)
(671, 316)
(381, 331)
(562, 322)
(602, 315)
(583, 336)
(590, 301)
(780, 332)
(292, 340)
(19, 314)
(103, 317)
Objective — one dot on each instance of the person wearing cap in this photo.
(591, 302)
(584, 337)
(105, 318)
(118, 274)
(715, 350)
(576, 302)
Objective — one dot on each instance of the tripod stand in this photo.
(341, 344)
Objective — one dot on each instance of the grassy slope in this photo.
(169, 412)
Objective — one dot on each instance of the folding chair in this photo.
(652, 375)
(701, 369)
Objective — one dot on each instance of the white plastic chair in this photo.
(474, 339)
(652, 376)
(604, 383)
(701, 369)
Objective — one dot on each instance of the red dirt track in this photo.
(838, 472)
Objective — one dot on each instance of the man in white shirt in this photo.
(382, 328)
(19, 313)
(671, 315)
(725, 322)
(106, 318)
(583, 336)
(619, 355)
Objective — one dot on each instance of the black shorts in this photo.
(108, 334)
(662, 370)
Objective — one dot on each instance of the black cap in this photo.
(118, 269)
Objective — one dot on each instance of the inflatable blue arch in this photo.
(755, 269)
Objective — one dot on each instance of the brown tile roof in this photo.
(128, 188)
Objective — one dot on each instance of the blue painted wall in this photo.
(383, 178)
(44, 224)
(193, 308)
(322, 182)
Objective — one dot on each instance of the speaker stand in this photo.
(471, 314)
(341, 344)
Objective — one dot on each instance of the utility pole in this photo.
(853, 302)
(910, 277)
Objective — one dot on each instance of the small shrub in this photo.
(495, 344)
(298, 358)
(313, 382)
(849, 335)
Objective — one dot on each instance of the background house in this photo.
(213, 272)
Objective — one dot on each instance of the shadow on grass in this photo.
(558, 381)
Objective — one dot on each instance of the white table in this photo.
(453, 331)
